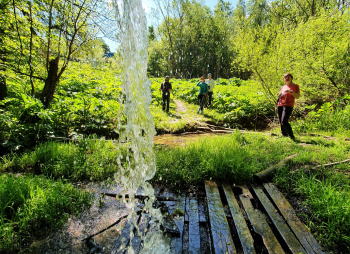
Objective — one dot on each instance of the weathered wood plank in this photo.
(176, 242)
(124, 238)
(304, 236)
(259, 224)
(143, 225)
(242, 229)
(221, 235)
(286, 233)
(194, 235)
(187, 209)
(201, 211)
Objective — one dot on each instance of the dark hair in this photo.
(202, 77)
(288, 75)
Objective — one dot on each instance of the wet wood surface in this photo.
(260, 224)
(193, 231)
(279, 222)
(242, 228)
(176, 241)
(220, 231)
(226, 219)
(300, 230)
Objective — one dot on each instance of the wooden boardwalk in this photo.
(254, 219)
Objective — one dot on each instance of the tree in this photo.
(45, 35)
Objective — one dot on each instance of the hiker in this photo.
(166, 87)
(202, 95)
(211, 85)
(286, 98)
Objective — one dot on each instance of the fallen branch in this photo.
(316, 135)
(331, 164)
(268, 173)
(320, 166)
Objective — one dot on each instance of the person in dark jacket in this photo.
(166, 87)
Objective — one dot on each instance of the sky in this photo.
(149, 4)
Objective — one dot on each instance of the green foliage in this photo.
(86, 102)
(242, 102)
(191, 40)
(332, 118)
(32, 206)
(315, 51)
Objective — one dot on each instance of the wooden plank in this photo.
(143, 226)
(221, 235)
(193, 232)
(176, 242)
(123, 239)
(300, 230)
(187, 209)
(286, 233)
(260, 224)
(245, 237)
(201, 211)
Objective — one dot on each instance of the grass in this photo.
(327, 193)
(93, 160)
(33, 206)
(330, 119)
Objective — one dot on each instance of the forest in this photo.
(61, 104)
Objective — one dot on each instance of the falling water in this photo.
(138, 129)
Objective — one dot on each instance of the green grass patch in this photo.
(234, 158)
(88, 159)
(327, 193)
(32, 206)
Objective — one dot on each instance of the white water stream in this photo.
(139, 129)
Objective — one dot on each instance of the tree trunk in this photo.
(3, 87)
(50, 83)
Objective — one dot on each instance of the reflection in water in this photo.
(138, 130)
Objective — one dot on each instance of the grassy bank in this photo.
(33, 206)
(87, 160)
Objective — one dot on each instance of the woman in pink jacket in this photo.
(287, 95)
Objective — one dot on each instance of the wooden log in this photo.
(284, 230)
(221, 235)
(219, 127)
(193, 231)
(244, 235)
(268, 173)
(309, 243)
(260, 224)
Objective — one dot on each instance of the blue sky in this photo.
(149, 4)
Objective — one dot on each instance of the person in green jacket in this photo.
(202, 95)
